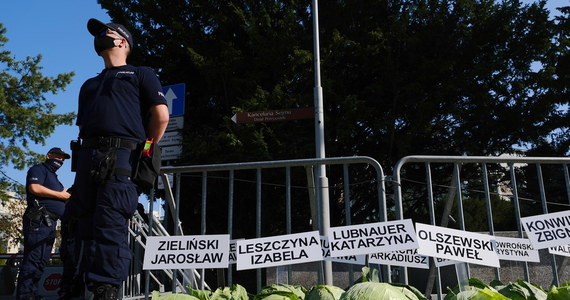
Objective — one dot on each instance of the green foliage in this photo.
(281, 292)
(370, 274)
(559, 293)
(496, 290)
(235, 292)
(200, 294)
(409, 290)
(475, 290)
(521, 290)
(473, 284)
(156, 296)
(480, 294)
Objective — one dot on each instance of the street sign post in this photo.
(174, 95)
(171, 142)
(274, 115)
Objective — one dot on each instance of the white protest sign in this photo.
(563, 250)
(233, 255)
(353, 259)
(549, 230)
(186, 252)
(442, 262)
(516, 249)
(403, 258)
(372, 238)
(278, 250)
(457, 245)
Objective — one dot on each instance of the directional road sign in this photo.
(171, 152)
(171, 138)
(174, 95)
(274, 115)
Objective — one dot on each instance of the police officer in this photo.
(45, 196)
(118, 110)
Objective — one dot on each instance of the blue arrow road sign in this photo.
(174, 95)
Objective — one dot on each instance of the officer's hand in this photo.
(64, 195)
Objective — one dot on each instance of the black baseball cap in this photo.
(56, 150)
(95, 27)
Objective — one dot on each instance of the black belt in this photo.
(108, 142)
(51, 215)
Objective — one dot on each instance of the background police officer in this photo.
(45, 196)
(118, 110)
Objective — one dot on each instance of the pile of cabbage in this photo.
(371, 289)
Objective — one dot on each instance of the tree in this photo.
(25, 115)
(438, 77)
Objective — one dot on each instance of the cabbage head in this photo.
(374, 291)
(324, 292)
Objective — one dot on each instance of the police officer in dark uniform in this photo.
(45, 196)
(119, 110)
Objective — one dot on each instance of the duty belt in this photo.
(108, 142)
(51, 215)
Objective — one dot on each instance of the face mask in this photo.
(103, 43)
(54, 164)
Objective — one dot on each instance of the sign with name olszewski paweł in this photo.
(186, 252)
(372, 238)
(278, 250)
(457, 245)
(548, 230)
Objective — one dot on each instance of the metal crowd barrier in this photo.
(230, 175)
(508, 170)
(447, 186)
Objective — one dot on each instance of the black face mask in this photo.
(103, 43)
(54, 164)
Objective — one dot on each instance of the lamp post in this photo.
(321, 172)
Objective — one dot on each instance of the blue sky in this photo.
(57, 29)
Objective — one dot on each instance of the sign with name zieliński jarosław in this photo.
(516, 249)
(352, 259)
(278, 250)
(548, 230)
(186, 252)
(459, 245)
(372, 238)
(402, 258)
